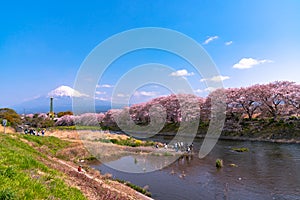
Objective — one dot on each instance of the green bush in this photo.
(132, 142)
(135, 187)
(219, 163)
(72, 128)
(60, 114)
(103, 140)
(149, 143)
(114, 141)
(167, 154)
(11, 116)
(293, 118)
(128, 142)
(242, 149)
(91, 158)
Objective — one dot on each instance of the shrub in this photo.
(91, 158)
(242, 149)
(293, 118)
(149, 143)
(167, 154)
(219, 163)
(114, 141)
(138, 142)
(135, 187)
(60, 114)
(40, 120)
(11, 116)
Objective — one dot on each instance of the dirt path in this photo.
(7, 129)
(92, 184)
(110, 185)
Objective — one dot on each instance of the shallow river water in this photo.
(266, 171)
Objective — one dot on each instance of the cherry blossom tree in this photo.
(174, 106)
(244, 100)
(272, 96)
(66, 120)
(216, 102)
(43, 116)
(89, 119)
(274, 99)
(108, 119)
(292, 97)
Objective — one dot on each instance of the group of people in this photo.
(179, 146)
(32, 131)
(183, 147)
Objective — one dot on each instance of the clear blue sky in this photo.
(43, 43)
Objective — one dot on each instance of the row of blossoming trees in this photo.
(274, 100)
(277, 99)
(42, 120)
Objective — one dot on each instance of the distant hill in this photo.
(62, 101)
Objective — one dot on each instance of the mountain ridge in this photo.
(62, 101)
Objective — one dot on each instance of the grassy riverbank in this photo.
(265, 129)
(35, 167)
(281, 130)
(72, 128)
(25, 176)
(107, 146)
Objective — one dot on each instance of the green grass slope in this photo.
(23, 176)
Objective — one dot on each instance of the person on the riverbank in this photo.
(191, 147)
(181, 146)
(188, 150)
(178, 144)
(176, 147)
(79, 169)
(43, 132)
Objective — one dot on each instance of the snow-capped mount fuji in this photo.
(65, 91)
(62, 101)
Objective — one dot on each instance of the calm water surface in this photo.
(267, 171)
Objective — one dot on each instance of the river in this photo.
(266, 171)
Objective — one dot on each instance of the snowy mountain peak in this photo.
(65, 91)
